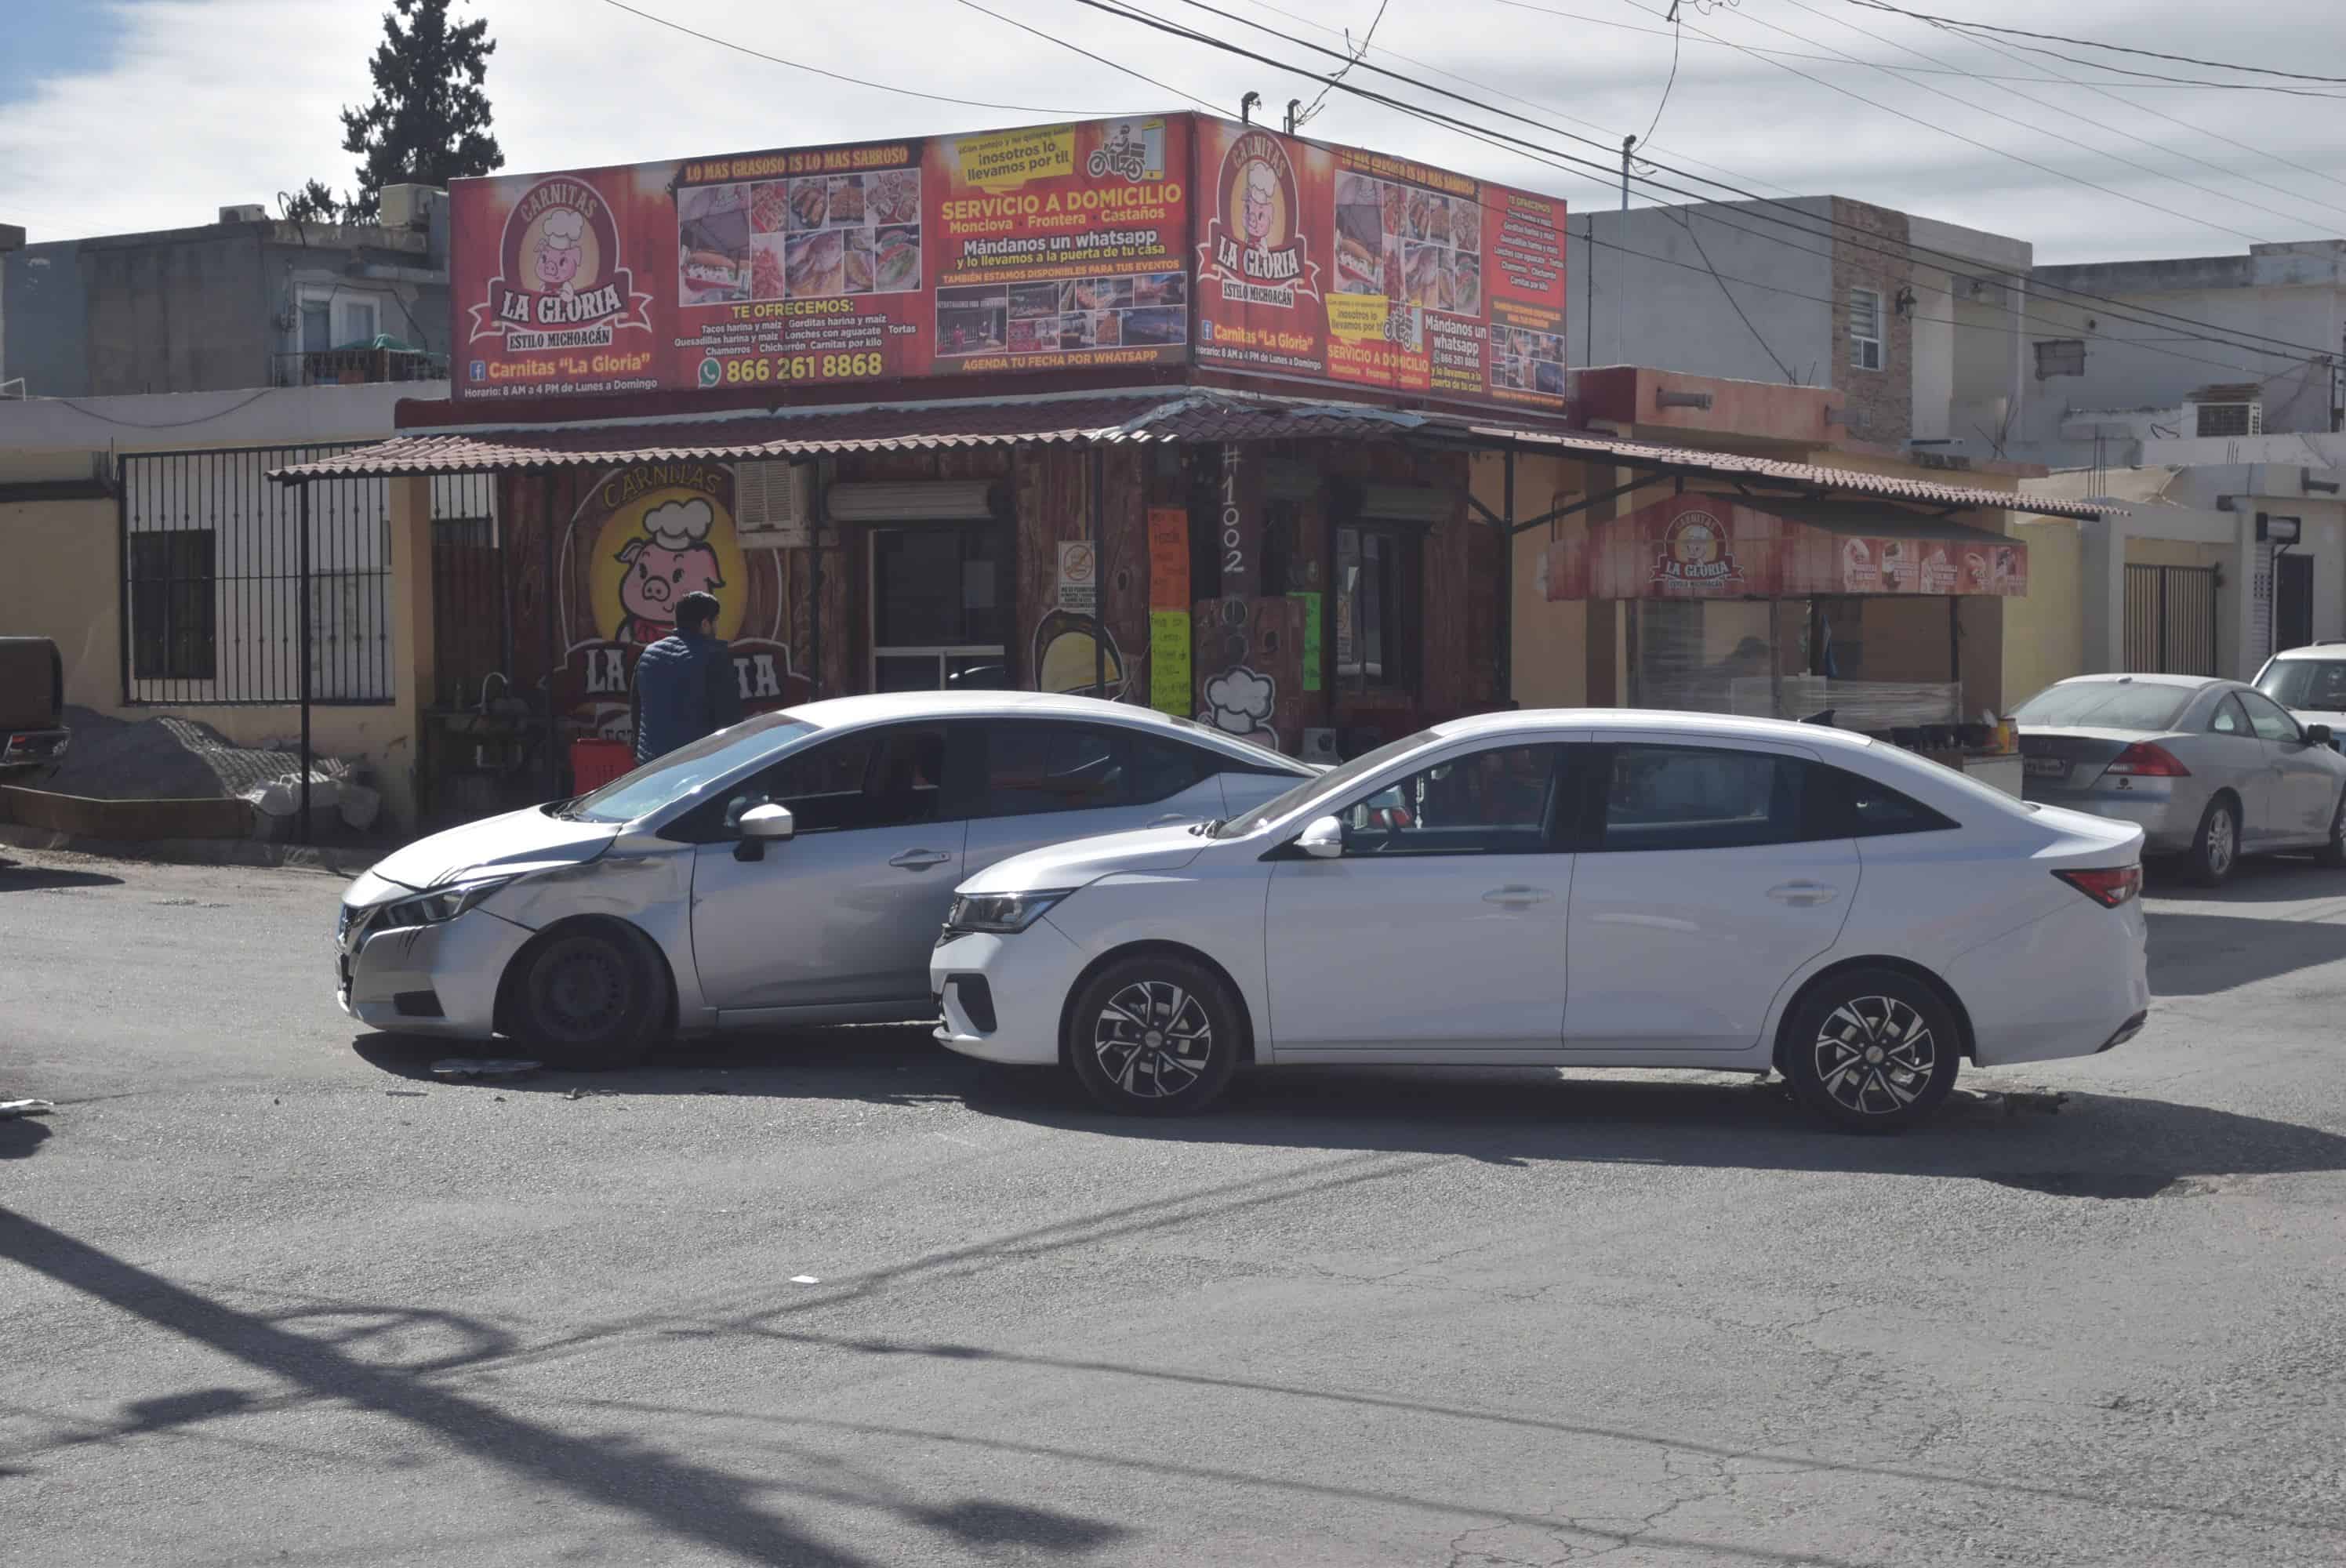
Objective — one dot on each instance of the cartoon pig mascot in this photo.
(674, 558)
(558, 254)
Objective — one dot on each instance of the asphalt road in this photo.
(271, 1294)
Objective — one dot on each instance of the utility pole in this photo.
(1620, 349)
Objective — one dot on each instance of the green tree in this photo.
(313, 203)
(429, 122)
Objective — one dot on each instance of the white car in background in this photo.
(2311, 682)
(794, 868)
(1601, 888)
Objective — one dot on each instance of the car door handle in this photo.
(1802, 894)
(1516, 898)
(920, 859)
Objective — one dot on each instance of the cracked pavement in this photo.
(271, 1293)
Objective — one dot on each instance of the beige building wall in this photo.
(65, 584)
(1548, 642)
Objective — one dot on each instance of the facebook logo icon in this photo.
(1205, 332)
(480, 370)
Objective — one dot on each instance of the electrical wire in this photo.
(2105, 91)
(1366, 39)
(2090, 44)
(1678, 36)
(835, 75)
(1086, 54)
(1519, 146)
(1955, 135)
(2054, 78)
(1898, 73)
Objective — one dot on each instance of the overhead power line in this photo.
(1964, 267)
(2091, 44)
(835, 75)
(1086, 54)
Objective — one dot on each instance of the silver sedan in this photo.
(2213, 769)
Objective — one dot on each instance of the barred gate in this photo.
(2170, 620)
(218, 570)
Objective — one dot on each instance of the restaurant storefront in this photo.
(1167, 411)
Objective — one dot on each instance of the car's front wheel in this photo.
(1155, 1035)
(1871, 1050)
(592, 995)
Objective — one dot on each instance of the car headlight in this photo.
(439, 904)
(1003, 914)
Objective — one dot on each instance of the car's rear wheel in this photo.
(592, 995)
(1155, 1035)
(1871, 1050)
(2332, 853)
(2215, 846)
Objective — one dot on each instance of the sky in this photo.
(118, 115)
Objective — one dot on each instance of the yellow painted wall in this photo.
(2044, 634)
(64, 583)
(2142, 552)
(1549, 648)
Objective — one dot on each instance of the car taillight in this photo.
(2108, 886)
(2145, 760)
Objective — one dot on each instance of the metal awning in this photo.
(1149, 417)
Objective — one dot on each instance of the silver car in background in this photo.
(794, 868)
(2211, 769)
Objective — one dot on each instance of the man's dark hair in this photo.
(696, 612)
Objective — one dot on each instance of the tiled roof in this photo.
(1105, 419)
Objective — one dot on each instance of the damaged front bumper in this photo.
(439, 979)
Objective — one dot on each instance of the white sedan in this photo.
(1571, 888)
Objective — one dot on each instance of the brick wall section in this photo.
(1881, 403)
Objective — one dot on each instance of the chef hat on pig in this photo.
(680, 524)
(562, 228)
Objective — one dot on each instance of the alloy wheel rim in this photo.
(581, 991)
(1875, 1055)
(1153, 1039)
(2219, 843)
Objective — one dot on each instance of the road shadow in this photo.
(337, 1354)
(2096, 1145)
(21, 1137)
(887, 1064)
(15, 877)
(2260, 879)
(2193, 955)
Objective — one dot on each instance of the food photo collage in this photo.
(1150, 309)
(815, 238)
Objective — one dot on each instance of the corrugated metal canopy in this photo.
(1088, 420)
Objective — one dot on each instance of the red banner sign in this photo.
(1711, 547)
(1139, 241)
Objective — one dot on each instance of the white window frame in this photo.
(335, 298)
(1865, 349)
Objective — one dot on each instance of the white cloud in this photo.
(208, 102)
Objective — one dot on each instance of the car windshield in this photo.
(1262, 754)
(2105, 705)
(1329, 785)
(2319, 684)
(664, 780)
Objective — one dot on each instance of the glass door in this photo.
(940, 609)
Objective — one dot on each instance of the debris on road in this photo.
(804, 1280)
(11, 1109)
(483, 1067)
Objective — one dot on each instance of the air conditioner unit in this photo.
(2226, 418)
(406, 206)
(244, 212)
(772, 507)
(1319, 746)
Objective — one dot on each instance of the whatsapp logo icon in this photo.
(712, 371)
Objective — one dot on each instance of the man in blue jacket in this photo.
(685, 686)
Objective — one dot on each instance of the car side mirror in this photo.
(760, 825)
(1323, 840)
(2317, 735)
